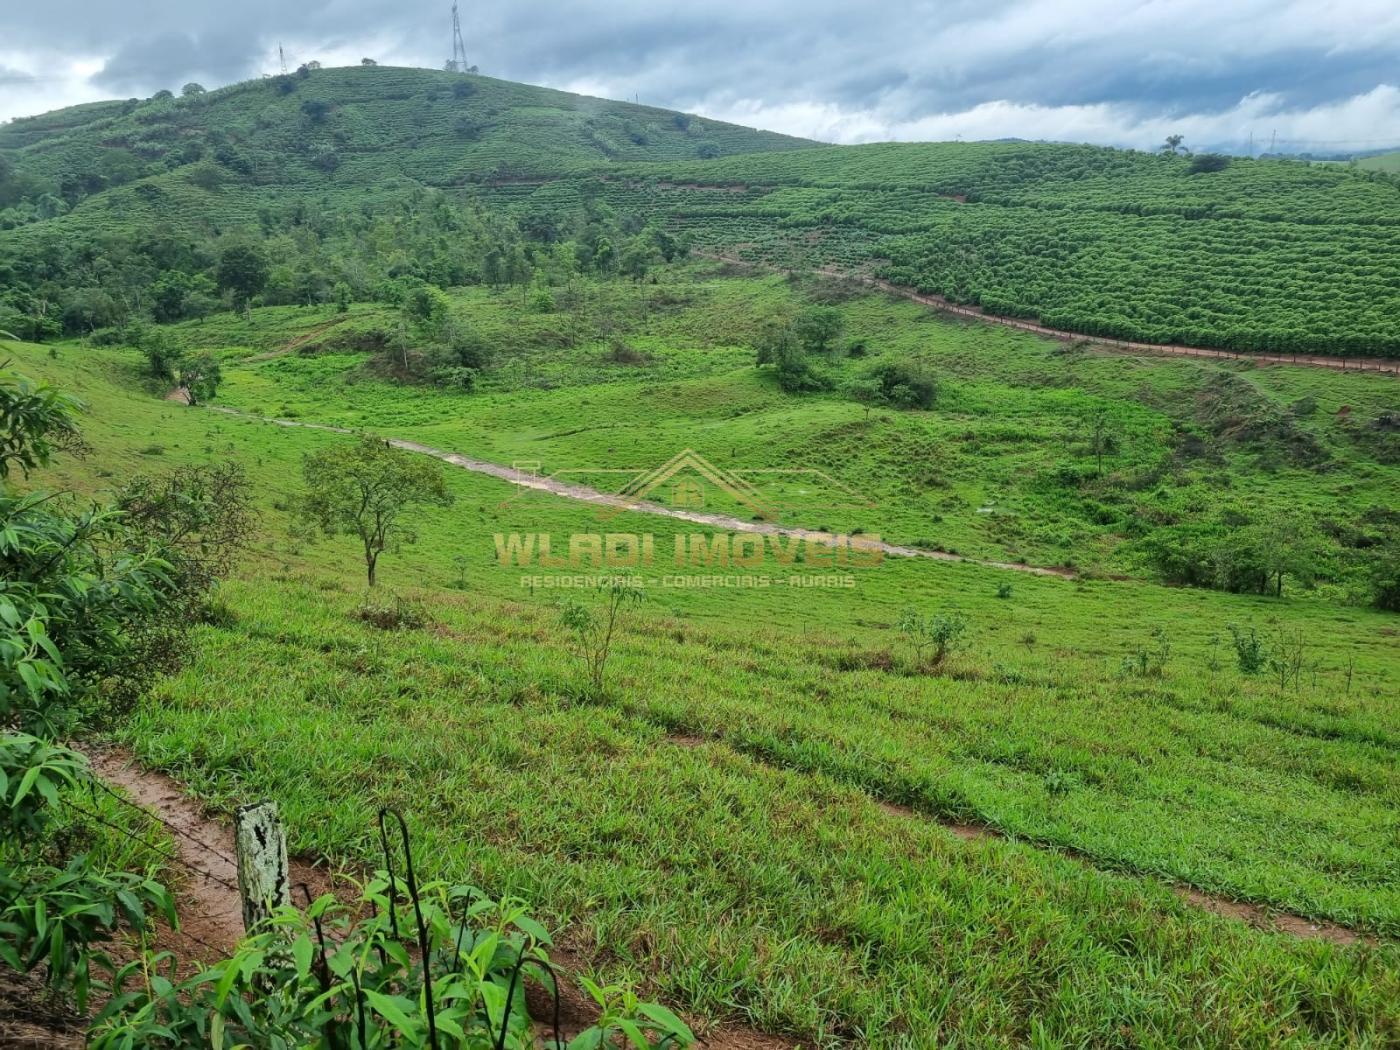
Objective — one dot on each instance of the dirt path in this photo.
(1384, 366)
(585, 494)
(211, 916)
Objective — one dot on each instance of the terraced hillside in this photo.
(1256, 256)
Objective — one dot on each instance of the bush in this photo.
(394, 615)
(1205, 162)
(933, 635)
(899, 384)
(1249, 649)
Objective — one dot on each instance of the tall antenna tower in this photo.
(282, 57)
(458, 62)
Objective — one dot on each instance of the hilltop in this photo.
(212, 156)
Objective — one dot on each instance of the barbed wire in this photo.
(153, 815)
(172, 857)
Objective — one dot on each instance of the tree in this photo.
(817, 327)
(593, 631)
(1173, 145)
(365, 488)
(200, 375)
(1101, 437)
(35, 422)
(191, 90)
(242, 271)
(368, 62)
(639, 255)
(780, 347)
(162, 355)
(424, 310)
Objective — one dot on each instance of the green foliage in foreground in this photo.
(323, 978)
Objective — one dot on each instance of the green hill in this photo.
(215, 156)
(1255, 256)
(362, 176)
(1381, 162)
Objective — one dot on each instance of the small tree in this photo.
(200, 375)
(817, 327)
(933, 635)
(424, 310)
(365, 488)
(593, 629)
(1101, 433)
(1249, 649)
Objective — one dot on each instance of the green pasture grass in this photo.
(725, 879)
(712, 825)
(998, 469)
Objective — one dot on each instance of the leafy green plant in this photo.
(933, 637)
(443, 967)
(1250, 655)
(1149, 659)
(593, 629)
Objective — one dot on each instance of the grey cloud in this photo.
(896, 62)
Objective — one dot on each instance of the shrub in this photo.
(1249, 649)
(594, 629)
(394, 615)
(933, 635)
(899, 384)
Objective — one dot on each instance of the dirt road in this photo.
(585, 494)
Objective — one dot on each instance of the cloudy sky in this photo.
(1312, 75)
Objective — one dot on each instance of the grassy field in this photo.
(1000, 469)
(1383, 162)
(752, 820)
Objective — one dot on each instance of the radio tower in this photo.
(458, 62)
(282, 56)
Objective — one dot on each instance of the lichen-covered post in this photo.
(264, 883)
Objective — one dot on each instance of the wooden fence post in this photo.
(264, 882)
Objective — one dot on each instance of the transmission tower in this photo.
(458, 62)
(282, 57)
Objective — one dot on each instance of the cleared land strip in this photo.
(1384, 366)
(585, 494)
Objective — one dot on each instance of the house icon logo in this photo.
(686, 480)
(689, 484)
